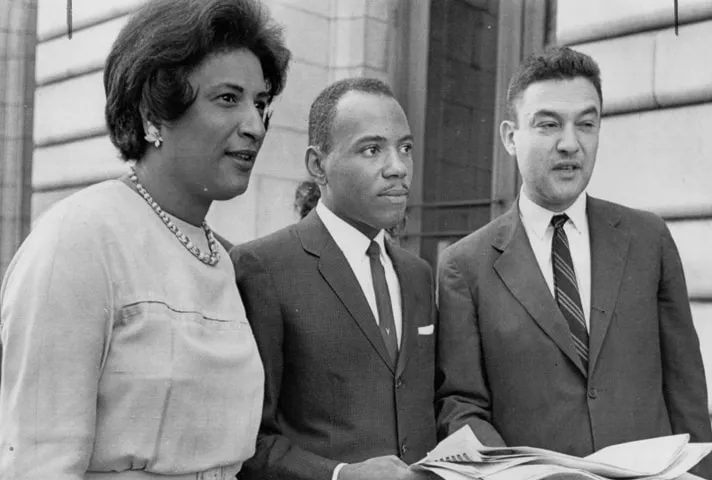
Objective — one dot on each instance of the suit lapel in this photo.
(337, 272)
(609, 248)
(409, 334)
(519, 270)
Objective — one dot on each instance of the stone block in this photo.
(627, 79)
(69, 109)
(657, 160)
(87, 50)
(52, 14)
(282, 154)
(348, 42)
(693, 239)
(306, 33)
(683, 65)
(580, 21)
(80, 162)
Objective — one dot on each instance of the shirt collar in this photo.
(537, 218)
(350, 241)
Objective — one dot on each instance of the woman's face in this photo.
(212, 147)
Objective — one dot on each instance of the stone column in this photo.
(18, 34)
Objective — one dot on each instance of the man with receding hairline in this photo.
(344, 320)
(565, 323)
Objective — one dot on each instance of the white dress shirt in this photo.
(354, 244)
(537, 224)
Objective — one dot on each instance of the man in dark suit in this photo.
(344, 320)
(565, 323)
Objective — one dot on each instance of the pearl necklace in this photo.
(211, 259)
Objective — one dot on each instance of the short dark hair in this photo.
(163, 42)
(556, 63)
(323, 109)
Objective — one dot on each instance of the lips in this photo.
(395, 196)
(567, 167)
(245, 159)
(395, 192)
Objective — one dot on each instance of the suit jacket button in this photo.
(404, 449)
(593, 393)
(399, 383)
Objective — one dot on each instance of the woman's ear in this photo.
(147, 118)
(314, 160)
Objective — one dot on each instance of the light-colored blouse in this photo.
(121, 350)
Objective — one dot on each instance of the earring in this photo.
(153, 135)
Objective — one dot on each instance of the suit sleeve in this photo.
(684, 385)
(462, 395)
(276, 457)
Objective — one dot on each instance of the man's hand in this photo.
(381, 468)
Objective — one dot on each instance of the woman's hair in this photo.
(163, 42)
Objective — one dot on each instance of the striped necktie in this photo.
(566, 288)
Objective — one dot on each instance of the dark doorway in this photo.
(459, 126)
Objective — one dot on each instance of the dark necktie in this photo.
(566, 288)
(386, 322)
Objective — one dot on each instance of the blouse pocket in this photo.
(161, 363)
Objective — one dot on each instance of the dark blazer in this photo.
(332, 394)
(506, 364)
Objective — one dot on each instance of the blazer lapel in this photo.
(337, 272)
(519, 270)
(609, 251)
(409, 333)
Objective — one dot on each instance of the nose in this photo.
(568, 142)
(397, 164)
(252, 124)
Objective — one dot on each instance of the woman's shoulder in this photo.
(86, 216)
(96, 203)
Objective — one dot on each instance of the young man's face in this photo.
(555, 140)
(369, 168)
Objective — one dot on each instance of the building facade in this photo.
(449, 62)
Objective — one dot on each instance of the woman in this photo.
(127, 352)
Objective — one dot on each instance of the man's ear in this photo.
(506, 132)
(314, 160)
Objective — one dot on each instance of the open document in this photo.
(462, 456)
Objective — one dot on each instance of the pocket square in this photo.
(426, 330)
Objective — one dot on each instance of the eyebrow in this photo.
(551, 113)
(589, 110)
(372, 138)
(238, 88)
(381, 139)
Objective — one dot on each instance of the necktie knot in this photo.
(373, 250)
(558, 221)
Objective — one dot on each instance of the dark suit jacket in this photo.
(332, 394)
(506, 364)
